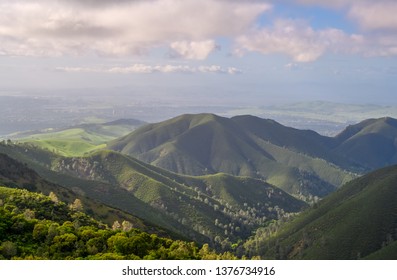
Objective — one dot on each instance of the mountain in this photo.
(17, 175)
(79, 139)
(216, 208)
(357, 221)
(371, 143)
(327, 118)
(298, 161)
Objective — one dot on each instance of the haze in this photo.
(211, 51)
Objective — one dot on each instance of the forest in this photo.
(34, 226)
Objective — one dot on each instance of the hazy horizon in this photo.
(248, 53)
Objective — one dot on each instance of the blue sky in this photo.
(240, 51)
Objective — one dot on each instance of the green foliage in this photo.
(185, 206)
(19, 175)
(67, 236)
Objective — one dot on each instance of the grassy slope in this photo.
(245, 146)
(186, 205)
(78, 140)
(104, 193)
(354, 222)
(17, 175)
(191, 201)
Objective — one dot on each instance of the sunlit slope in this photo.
(198, 208)
(79, 139)
(193, 202)
(34, 226)
(17, 175)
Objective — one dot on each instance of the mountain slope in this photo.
(17, 175)
(206, 209)
(357, 221)
(297, 161)
(193, 202)
(34, 226)
(371, 143)
(79, 139)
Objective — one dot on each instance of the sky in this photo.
(249, 52)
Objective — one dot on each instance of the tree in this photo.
(9, 249)
(116, 225)
(77, 205)
(127, 226)
(53, 197)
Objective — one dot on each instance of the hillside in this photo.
(357, 221)
(35, 227)
(79, 139)
(16, 175)
(371, 143)
(217, 208)
(298, 161)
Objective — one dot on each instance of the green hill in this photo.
(16, 175)
(80, 139)
(357, 221)
(371, 143)
(213, 208)
(300, 162)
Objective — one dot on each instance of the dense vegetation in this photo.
(221, 210)
(34, 226)
(357, 221)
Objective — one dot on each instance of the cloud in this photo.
(149, 69)
(375, 15)
(218, 69)
(193, 50)
(368, 14)
(123, 27)
(190, 29)
(334, 3)
(297, 40)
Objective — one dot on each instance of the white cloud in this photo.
(368, 14)
(220, 70)
(297, 40)
(43, 27)
(375, 15)
(193, 50)
(333, 3)
(148, 69)
(189, 28)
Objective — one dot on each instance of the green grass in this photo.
(79, 140)
(66, 147)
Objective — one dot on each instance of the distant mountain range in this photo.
(301, 162)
